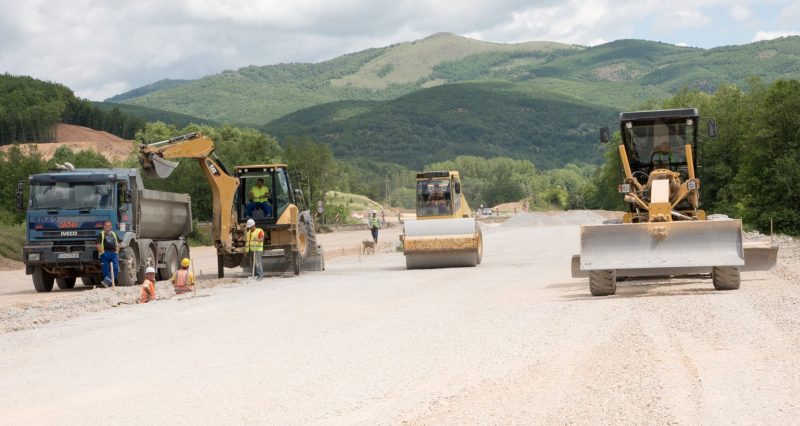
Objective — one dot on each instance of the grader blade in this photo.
(157, 167)
(661, 245)
(760, 255)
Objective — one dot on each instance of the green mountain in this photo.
(256, 95)
(150, 114)
(165, 84)
(487, 119)
(619, 74)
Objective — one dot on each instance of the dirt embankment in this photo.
(80, 138)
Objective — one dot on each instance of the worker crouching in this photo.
(148, 291)
(183, 280)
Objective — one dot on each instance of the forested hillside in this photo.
(150, 114)
(618, 74)
(489, 119)
(29, 108)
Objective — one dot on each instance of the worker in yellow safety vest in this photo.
(254, 247)
(183, 280)
(373, 223)
(259, 199)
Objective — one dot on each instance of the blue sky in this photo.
(100, 48)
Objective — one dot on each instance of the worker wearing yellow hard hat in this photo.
(183, 279)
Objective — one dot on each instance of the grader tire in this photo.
(726, 277)
(603, 282)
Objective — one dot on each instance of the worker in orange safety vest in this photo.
(183, 280)
(148, 291)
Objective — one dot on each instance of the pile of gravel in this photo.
(572, 217)
(97, 299)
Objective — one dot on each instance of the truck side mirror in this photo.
(604, 135)
(712, 129)
(20, 192)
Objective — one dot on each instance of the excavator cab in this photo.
(254, 181)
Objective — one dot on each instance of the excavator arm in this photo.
(154, 160)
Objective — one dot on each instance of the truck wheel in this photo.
(150, 259)
(65, 283)
(42, 281)
(129, 267)
(603, 282)
(726, 277)
(90, 281)
(170, 263)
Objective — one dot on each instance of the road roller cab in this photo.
(439, 196)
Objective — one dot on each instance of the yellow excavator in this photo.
(289, 236)
(664, 232)
(444, 233)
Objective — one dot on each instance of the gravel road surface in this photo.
(515, 340)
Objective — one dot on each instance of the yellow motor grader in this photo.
(444, 233)
(664, 232)
(289, 236)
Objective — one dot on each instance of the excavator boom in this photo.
(155, 157)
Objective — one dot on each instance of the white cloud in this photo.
(769, 35)
(100, 46)
(790, 15)
(740, 12)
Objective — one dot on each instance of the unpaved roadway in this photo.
(515, 340)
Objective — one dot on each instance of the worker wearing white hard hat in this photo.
(254, 247)
(373, 223)
(148, 291)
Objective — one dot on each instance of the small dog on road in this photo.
(368, 246)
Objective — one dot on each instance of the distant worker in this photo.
(259, 198)
(383, 216)
(254, 247)
(183, 280)
(148, 291)
(374, 224)
(108, 249)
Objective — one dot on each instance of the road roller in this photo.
(444, 233)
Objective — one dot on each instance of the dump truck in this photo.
(665, 232)
(67, 210)
(290, 239)
(444, 233)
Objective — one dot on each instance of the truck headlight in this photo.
(691, 184)
(624, 188)
(33, 256)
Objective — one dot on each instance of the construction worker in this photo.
(259, 198)
(254, 246)
(108, 249)
(183, 280)
(373, 223)
(148, 291)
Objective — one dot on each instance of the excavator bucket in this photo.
(157, 167)
(442, 243)
(671, 247)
